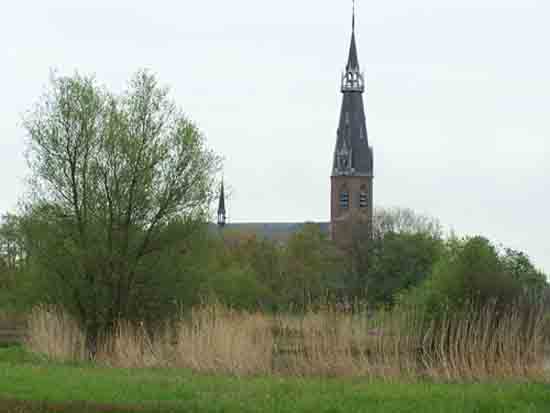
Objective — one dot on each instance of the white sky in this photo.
(458, 101)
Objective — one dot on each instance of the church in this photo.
(351, 179)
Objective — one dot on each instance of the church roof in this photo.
(273, 231)
(352, 134)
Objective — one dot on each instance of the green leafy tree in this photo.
(395, 254)
(312, 264)
(398, 262)
(111, 174)
(522, 269)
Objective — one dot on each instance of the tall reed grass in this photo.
(51, 331)
(478, 344)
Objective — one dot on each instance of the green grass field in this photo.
(29, 383)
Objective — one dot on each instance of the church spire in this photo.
(221, 207)
(352, 156)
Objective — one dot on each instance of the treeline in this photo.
(403, 264)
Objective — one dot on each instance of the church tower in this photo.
(351, 203)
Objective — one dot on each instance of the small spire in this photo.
(221, 207)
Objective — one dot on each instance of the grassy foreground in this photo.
(31, 384)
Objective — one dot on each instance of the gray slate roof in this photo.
(274, 231)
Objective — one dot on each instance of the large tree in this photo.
(112, 174)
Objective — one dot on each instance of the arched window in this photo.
(363, 197)
(344, 198)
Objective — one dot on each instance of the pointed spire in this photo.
(353, 18)
(221, 207)
(352, 154)
(353, 61)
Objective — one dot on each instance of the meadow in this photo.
(30, 383)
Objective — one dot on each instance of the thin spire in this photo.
(221, 207)
(353, 61)
(353, 17)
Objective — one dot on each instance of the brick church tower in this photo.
(351, 202)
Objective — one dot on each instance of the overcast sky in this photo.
(458, 100)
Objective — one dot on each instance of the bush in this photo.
(235, 287)
(472, 272)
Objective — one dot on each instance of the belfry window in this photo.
(363, 199)
(344, 199)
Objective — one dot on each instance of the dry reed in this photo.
(52, 332)
(213, 339)
(472, 345)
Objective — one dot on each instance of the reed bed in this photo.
(213, 339)
(51, 331)
(479, 344)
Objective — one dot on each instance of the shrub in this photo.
(472, 272)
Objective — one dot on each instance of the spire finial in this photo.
(353, 17)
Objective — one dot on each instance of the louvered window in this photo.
(344, 199)
(363, 200)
